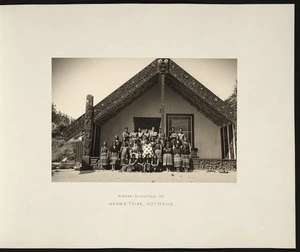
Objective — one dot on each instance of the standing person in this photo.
(177, 157)
(152, 141)
(143, 140)
(140, 133)
(157, 148)
(124, 154)
(173, 134)
(147, 134)
(186, 141)
(180, 135)
(114, 155)
(125, 135)
(134, 149)
(153, 133)
(118, 142)
(185, 157)
(173, 143)
(167, 157)
(133, 135)
(104, 152)
(162, 140)
(159, 134)
(147, 149)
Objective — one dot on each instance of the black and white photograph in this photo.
(147, 126)
(144, 120)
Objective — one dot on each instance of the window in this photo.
(184, 121)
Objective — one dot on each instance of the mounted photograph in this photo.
(144, 120)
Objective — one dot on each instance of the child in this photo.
(167, 157)
(103, 162)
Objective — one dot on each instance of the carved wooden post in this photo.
(88, 129)
(163, 67)
(162, 98)
(228, 137)
(222, 143)
(234, 140)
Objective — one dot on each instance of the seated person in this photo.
(134, 165)
(147, 163)
(155, 164)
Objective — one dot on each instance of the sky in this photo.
(74, 78)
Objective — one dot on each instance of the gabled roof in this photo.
(177, 79)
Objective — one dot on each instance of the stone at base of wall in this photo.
(214, 164)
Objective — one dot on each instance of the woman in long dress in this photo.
(185, 157)
(177, 157)
(103, 162)
(124, 154)
(167, 157)
(157, 148)
(114, 155)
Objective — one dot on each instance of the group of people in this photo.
(145, 151)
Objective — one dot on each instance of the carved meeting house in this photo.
(162, 95)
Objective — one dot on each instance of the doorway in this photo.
(146, 123)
